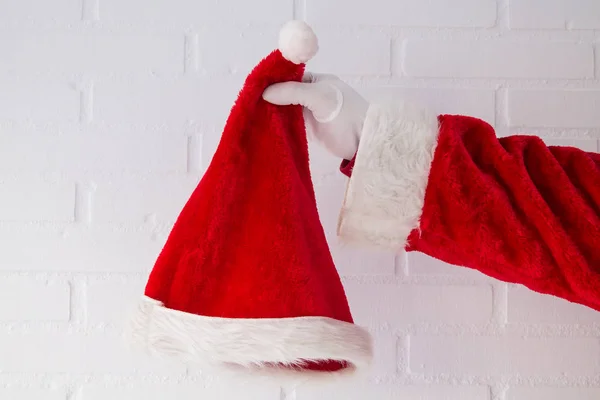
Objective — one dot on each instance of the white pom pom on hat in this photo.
(297, 42)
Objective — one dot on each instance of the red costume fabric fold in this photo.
(512, 208)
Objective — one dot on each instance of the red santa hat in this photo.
(246, 279)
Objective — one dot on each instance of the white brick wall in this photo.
(482, 356)
(552, 393)
(394, 392)
(558, 14)
(21, 299)
(16, 13)
(194, 13)
(219, 390)
(40, 99)
(368, 53)
(435, 13)
(28, 394)
(97, 52)
(110, 110)
(530, 108)
(400, 305)
(496, 58)
(113, 150)
(52, 202)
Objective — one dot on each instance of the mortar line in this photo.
(299, 9)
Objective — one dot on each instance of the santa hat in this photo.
(246, 279)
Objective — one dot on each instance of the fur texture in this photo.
(277, 345)
(385, 194)
(297, 42)
(512, 207)
(248, 249)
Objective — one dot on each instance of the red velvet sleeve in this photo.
(514, 209)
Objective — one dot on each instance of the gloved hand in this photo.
(333, 112)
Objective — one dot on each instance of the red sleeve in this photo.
(512, 208)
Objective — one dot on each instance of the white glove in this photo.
(333, 112)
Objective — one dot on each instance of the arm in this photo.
(512, 208)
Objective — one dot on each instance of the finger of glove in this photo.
(287, 93)
(321, 99)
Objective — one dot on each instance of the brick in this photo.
(552, 393)
(553, 108)
(362, 391)
(401, 305)
(352, 261)
(55, 352)
(106, 300)
(32, 394)
(325, 169)
(365, 53)
(137, 200)
(385, 353)
(117, 150)
(28, 299)
(528, 307)
(107, 53)
(78, 249)
(199, 13)
(150, 102)
(38, 100)
(436, 13)
(183, 391)
(515, 356)
(248, 47)
(422, 264)
(557, 14)
(37, 201)
(477, 103)
(497, 58)
(349, 260)
(36, 11)
(589, 145)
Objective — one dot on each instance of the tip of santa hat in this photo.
(297, 42)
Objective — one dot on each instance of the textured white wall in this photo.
(111, 109)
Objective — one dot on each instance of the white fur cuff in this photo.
(275, 347)
(386, 192)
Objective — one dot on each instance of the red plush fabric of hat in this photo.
(246, 279)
